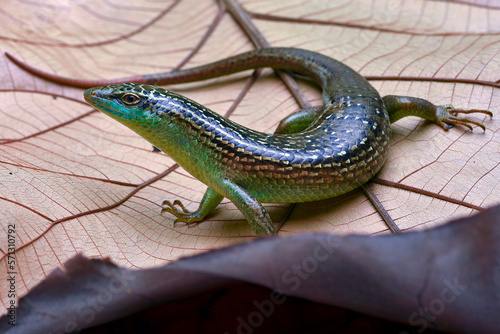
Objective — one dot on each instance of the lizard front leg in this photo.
(252, 209)
(209, 202)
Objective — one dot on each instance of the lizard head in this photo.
(127, 102)
(152, 112)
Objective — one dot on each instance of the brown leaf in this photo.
(73, 180)
(444, 278)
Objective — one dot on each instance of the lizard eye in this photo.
(130, 99)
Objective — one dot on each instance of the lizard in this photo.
(315, 153)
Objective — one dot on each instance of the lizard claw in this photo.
(183, 215)
(447, 117)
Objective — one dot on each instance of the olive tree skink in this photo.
(315, 153)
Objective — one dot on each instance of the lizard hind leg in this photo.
(299, 120)
(444, 115)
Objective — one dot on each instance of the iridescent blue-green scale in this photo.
(341, 150)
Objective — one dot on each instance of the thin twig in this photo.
(241, 17)
(385, 215)
(427, 193)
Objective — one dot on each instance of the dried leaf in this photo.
(444, 278)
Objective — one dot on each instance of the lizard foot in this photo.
(183, 215)
(446, 117)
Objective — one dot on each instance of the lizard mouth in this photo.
(98, 98)
(93, 98)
